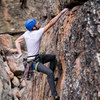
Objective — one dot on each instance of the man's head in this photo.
(32, 24)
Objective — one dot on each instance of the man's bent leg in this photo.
(49, 58)
(49, 72)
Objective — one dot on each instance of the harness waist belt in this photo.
(32, 57)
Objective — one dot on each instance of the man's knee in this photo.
(54, 57)
(50, 73)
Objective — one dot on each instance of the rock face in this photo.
(75, 39)
(82, 46)
(10, 69)
(6, 40)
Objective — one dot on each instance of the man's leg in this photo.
(50, 76)
(49, 58)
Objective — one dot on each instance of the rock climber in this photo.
(32, 38)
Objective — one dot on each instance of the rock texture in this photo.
(5, 85)
(82, 71)
(83, 45)
(13, 17)
(75, 39)
(11, 69)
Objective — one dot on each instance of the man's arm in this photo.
(54, 20)
(17, 43)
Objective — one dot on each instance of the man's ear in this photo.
(34, 28)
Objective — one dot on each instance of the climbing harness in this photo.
(30, 66)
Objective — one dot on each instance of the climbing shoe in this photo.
(56, 98)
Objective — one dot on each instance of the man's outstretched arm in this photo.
(54, 20)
